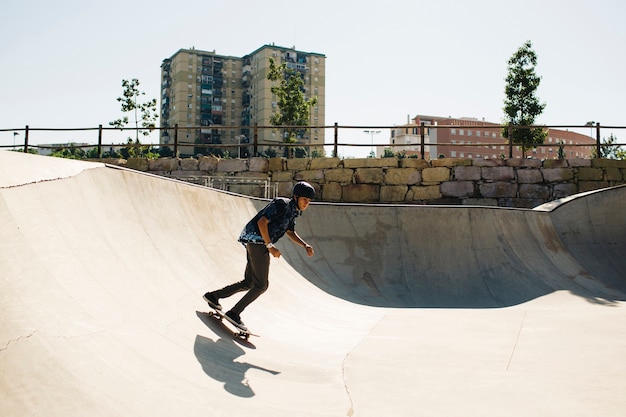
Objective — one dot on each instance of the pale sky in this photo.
(63, 61)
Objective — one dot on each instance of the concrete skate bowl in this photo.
(102, 271)
(424, 256)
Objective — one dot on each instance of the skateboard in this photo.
(241, 332)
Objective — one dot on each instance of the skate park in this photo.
(403, 310)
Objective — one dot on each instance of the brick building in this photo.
(472, 138)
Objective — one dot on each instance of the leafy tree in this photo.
(145, 112)
(293, 107)
(611, 151)
(521, 106)
(318, 153)
(69, 153)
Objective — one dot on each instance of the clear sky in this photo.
(63, 61)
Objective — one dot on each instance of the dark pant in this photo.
(256, 278)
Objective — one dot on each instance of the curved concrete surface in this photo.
(403, 311)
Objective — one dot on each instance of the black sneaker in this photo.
(236, 320)
(212, 300)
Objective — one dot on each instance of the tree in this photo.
(293, 107)
(521, 106)
(145, 112)
(610, 151)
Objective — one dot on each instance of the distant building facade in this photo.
(218, 99)
(472, 138)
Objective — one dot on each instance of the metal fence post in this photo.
(335, 140)
(100, 141)
(598, 147)
(26, 139)
(422, 140)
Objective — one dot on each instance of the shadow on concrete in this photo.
(218, 358)
(466, 257)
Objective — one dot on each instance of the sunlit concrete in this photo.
(403, 311)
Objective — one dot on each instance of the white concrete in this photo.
(403, 311)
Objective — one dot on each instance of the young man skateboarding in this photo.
(259, 236)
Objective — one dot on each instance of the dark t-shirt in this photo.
(281, 213)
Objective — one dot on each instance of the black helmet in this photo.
(303, 189)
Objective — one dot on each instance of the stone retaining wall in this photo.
(508, 183)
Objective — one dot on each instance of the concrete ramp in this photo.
(403, 311)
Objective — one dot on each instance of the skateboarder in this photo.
(259, 237)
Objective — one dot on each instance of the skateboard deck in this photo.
(242, 332)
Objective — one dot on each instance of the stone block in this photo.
(579, 162)
(557, 174)
(370, 163)
(277, 164)
(138, 164)
(281, 176)
(325, 163)
(614, 174)
(369, 175)
(590, 174)
(189, 164)
(331, 191)
(497, 173)
(450, 162)
(163, 164)
(523, 163)
(431, 192)
(529, 176)
(414, 163)
(591, 185)
(285, 188)
(498, 190)
(534, 191)
(564, 190)
(230, 165)
(604, 163)
(361, 193)
(340, 175)
(393, 193)
(480, 162)
(207, 163)
(298, 164)
(438, 174)
(458, 189)
(555, 163)
(257, 164)
(310, 176)
(467, 173)
(407, 176)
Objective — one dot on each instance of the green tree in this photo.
(144, 112)
(294, 108)
(69, 153)
(609, 150)
(521, 105)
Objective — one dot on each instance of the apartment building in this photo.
(217, 100)
(465, 137)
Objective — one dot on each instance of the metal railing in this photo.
(255, 143)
